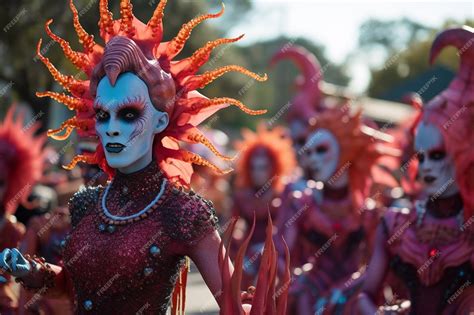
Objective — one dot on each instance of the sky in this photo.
(336, 23)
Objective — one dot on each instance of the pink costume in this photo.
(431, 247)
(328, 227)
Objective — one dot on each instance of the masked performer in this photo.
(431, 247)
(265, 159)
(331, 225)
(130, 239)
(21, 163)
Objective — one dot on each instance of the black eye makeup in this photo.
(131, 109)
(437, 155)
(101, 115)
(129, 113)
(421, 157)
(321, 149)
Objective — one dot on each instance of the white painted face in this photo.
(436, 168)
(260, 169)
(126, 122)
(322, 152)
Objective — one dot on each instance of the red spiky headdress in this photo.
(186, 107)
(307, 102)
(266, 298)
(275, 144)
(21, 159)
(452, 111)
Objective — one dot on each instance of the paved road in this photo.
(199, 299)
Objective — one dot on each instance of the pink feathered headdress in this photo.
(21, 159)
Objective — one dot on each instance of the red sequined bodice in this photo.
(130, 268)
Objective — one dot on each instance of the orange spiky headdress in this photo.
(187, 108)
(275, 144)
(360, 145)
(21, 160)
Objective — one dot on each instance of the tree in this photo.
(407, 57)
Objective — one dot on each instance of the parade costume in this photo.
(332, 224)
(266, 160)
(21, 164)
(266, 297)
(130, 238)
(431, 246)
(324, 216)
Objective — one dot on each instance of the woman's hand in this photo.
(13, 262)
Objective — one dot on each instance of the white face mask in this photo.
(436, 168)
(260, 169)
(322, 157)
(126, 122)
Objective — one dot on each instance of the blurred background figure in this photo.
(430, 246)
(21, 166)
(264, 163)
(44, 237)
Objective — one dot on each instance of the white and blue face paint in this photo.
(436, 168)
(126, 122)
(322, 157)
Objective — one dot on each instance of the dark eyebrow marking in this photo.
(136, 102)
(98, 105)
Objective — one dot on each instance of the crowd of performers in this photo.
(325, 212)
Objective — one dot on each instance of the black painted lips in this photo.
(114, 147)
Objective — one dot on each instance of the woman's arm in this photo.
(205, 255)
(375, 273)
(34, 273)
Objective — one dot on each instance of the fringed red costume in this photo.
(269, 296)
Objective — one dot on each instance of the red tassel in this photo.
(178, 299)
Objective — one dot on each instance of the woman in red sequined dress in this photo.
(431, 247)
(130, 238)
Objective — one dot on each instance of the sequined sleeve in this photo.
(82, 202)
(189, 218)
